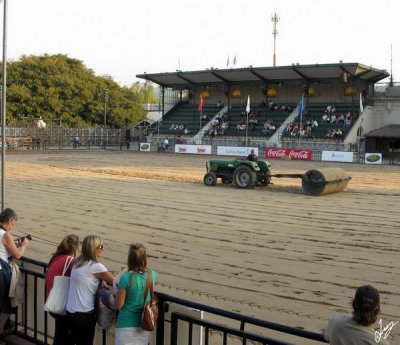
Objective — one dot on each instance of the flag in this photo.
(361, 104)
(227, 62)
(301, 106)
(248, 105)
(200, 108)
(234, 61)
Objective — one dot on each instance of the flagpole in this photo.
(201, 115)
(247, 125)
(247, 117)
(301, 116)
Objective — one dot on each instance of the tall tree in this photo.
(59, 87)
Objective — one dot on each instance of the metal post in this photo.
(105, 107)
(3, 110)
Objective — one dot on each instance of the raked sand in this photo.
(270, 252)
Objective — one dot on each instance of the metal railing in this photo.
(31, 322)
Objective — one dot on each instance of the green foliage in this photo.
(59, 87)
(143, 93)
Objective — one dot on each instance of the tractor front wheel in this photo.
(244, 177)
(210, 179)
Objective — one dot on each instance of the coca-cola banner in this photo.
(303, 155)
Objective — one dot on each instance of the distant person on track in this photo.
(252, 157)
(165, 144)
(356, 329)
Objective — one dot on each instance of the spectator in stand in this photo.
(357, 329)
(204, 117)
(180, 140)
(63, 257)
(186, 131)
(339, 133)
(314, 124)
(324, 117)
(219, 104)
(172, 127)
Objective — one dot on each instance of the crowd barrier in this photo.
(180, 321)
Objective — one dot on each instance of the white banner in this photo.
(373, 158)
(196, 149)
(235, 151)
(337, 156)
(145, 147)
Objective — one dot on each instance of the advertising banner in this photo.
(373, 158)
(195, 149)
(145, 147)
(303, 155)
(235, 151)
(337, 156)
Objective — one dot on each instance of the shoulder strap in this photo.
(67, 264)
(149, 285)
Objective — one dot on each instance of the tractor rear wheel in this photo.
(244, 177)
(210, 179)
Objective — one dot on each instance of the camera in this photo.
(21, 239)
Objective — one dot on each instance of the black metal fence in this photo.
(175, 326)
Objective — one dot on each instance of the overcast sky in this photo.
(128, 37)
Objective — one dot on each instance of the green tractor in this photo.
(243, 173)
(240, 172)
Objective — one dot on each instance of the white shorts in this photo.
(131, 336)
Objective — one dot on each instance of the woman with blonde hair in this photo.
(63, 257)
(130, 298)
(86, 275)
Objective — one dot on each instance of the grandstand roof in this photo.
(317, 72)
(388, 131)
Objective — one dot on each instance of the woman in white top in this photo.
(86, 276)
(8, 248)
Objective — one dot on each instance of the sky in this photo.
(124, 38)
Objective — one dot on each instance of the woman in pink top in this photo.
(66, 250)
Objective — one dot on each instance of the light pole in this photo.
(3, 108)
(105, 106)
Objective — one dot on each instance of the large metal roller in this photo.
(325, 181)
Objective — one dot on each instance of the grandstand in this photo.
(320, 85)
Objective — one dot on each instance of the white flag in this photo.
(248, 105)
(361, 104)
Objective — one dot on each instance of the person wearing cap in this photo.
(357, 329)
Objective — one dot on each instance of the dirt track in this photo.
(271, 252)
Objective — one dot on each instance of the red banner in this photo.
(303, 155)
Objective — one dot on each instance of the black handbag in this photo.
(6, 269)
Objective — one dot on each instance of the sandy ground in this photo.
(270, 252)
